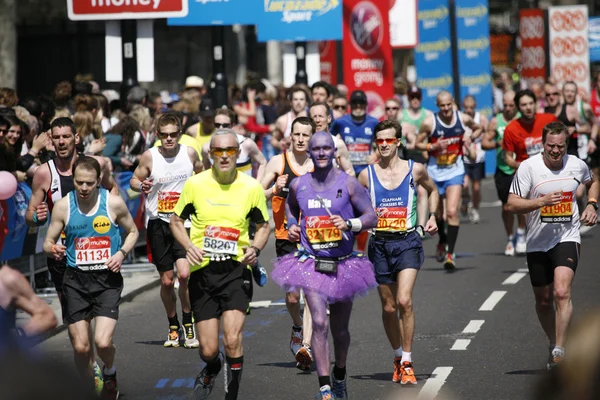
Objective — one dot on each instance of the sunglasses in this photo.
(340, 107)
(222, 125)
(386, 141)
(164, 135)
(392, 108)
(219, 151)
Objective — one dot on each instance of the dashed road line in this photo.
(491, 301)
(473, 326)
(461, 344)
(514, 278)
(433, 385)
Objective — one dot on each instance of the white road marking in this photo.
(461, 344)
(260, 304)
(433, 385)
(490, 204)
(523, 269)
(491, 301)
(473, 326)
(514, 278)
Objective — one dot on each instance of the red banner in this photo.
(367, 52)
(532, 30)
(328, 53)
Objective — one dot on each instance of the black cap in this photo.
(358, 96)
(206, 108)
(414, 92)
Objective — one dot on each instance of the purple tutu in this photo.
(355, 276)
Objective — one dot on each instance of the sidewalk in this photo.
(137, 278)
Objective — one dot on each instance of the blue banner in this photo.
(433, 54)
(474, 62)
(594, 38)
(300, 20)
(220, 12)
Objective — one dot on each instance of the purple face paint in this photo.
(321, 149)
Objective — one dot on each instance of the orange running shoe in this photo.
(397, 370)
(408, 374)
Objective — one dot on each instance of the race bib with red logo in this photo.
(166, 203)
(321, 233)
(221, 240)
(559, 213)
(533, 146)
(450, 155)
(391, 218)
(92, 252)
(359, 153)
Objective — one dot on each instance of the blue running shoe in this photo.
(259, 273)
(325, 393)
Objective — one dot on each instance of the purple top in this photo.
(318, 234)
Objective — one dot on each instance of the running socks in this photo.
(558, 352)
(339, 373)
(234, 376)
(324, 380)
(406, 356)
(173, 321)
(110, 371)
(186, 318)
(213, 366)
(398, 352)
(296, 328)
(441, 231)
(452, 236)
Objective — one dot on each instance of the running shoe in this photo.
(449, 263)
(554, 360)
(325, 393)
(521, 247)
(110, 391)
(302, 367)
(259, 274)
(474, 216)
(510, 249)
(440, 252)
(304, 358)
(339, 388)
(397, 370)
(173, 337)
(205, 383)
(296, 341)
(408, 374)
(98, 381)
(190, 337)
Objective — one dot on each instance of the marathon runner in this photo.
(90, 217)
(160, 175)
(395, 249)
(332, 207)
(493, 139)
(221, 202)
(283, 125)
(544, 189)
(523, 139)
(446, 133)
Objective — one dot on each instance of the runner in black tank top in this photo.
(564, 118)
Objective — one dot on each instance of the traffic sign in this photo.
(85, 10)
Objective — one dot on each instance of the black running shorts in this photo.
(475, 172)
(503, 183)
(91, 294)
(542, 264)
(57, 272)
(163, 246)
(218, 287)
(284, 247)
(390, 256)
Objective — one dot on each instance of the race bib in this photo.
(559, 213)
(221, 240)
(167, 202)
(359, 153)
(533, 146)
(321, 233)
(446, 159)
(449, 156)
(92, 252)
(391, 218)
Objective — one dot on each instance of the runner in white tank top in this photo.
(283, 125)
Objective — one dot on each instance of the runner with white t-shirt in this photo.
(544, 188)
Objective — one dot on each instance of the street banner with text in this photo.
(231, 12)
(532, 31)
(329, 62)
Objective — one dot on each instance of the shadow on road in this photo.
(527, 372)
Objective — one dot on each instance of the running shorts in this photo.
(91, 294)
(475, 171)
(390, 256)
(163, 246)
(542, 264)
(443, 185)
(218, 287)
(503, 183)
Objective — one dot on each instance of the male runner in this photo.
(283, 125)
(90, 217)
(320, 92)
(221, 203)
(474, 170)
(160, 174)
(493, 139)
(356, 130)
(203, 130)
(544, 189)
(446, 133)
(249, 152)
(339, 106)
(280, 171)
(395, 249)
(523, 139)
(332, 207)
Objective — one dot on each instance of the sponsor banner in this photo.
(569, 52)
(86, 10)
(220, 12)
(403, 24)
(433, 54)
(594, 38)
(300, 20)
(367, 52)
(328, 57)
(532, 32)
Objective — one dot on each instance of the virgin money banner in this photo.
(433, 54)
(367, 52)
(532, 31)
(328, 56)
(474, 63)
(569, 52)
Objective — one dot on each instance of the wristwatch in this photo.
(124, 252)
(256, 250)
(349, 223)
(593, 204)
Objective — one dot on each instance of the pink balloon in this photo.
(8, 185)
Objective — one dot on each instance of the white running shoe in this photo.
(473, 216)
(296, 342)
(510, 249)
(190, 337)
(521, 246)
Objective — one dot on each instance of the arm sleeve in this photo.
(185, 205)
(253, 126)
(258, 213)
(24, 162)
(521, 184)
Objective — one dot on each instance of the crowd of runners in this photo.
(331, 177)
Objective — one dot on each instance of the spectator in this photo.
(8, 97)
(63, 92)
(89, 133)
(124, 144)
(155, 104)
(82, 87)
(47, 110)
(107, 121)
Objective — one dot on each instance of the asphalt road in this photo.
(460, 350)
